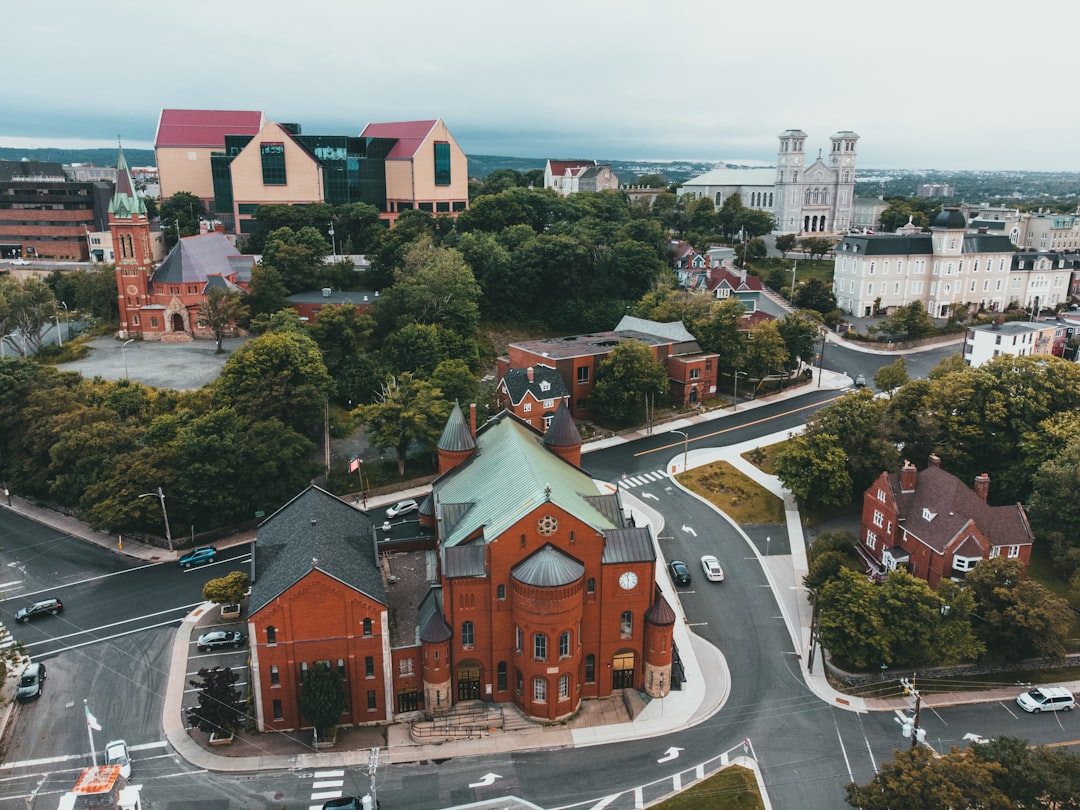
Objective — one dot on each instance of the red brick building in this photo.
(937, 527)
(692, 374)
(532, 394)
(529, 587)
(163, 302)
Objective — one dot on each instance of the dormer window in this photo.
(927, 515)
(545, 385)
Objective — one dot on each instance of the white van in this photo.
(1046, 699)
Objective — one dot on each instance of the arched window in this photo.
(539, 647)
(367, 627)
(467, 634)
(564, 644)
(626, 626)
(271, 634)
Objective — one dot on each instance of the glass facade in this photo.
(273, 164)
(442, 163)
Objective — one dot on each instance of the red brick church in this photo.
(518, 582)
(163, 302)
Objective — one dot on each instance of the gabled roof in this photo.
(559, 168)
(517, 384)
(510, 474)
(205, 128)
(194, 259)
(410, 135)
(734, 177)
(941, 507)
(726, 276)
(315, 531)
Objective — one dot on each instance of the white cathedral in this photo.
(804, 197)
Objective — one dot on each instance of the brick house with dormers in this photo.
(937, 527)
(532, 394)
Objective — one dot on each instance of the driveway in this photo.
(177, 366)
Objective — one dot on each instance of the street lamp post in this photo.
(821, 357)
(59, 336)
(161, 495)
(123, 350)
(686, 447)
(333, 246)
(792, 271)
(735, 392)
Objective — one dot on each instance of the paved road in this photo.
(176, 366)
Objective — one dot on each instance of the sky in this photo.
(926, 84)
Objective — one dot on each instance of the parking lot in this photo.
(177, 366)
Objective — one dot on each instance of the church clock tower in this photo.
(130, 229)
(790, 179)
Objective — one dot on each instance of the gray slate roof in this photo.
(517, 384)
(315, 530)
(673, 331)
(562, 432)
(548, 567)
(952, 503)
(632, 544)
(195, 258)
(457, 435)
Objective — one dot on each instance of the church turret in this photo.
(562, 436)
(659, 644)
(457, 442)
(435, 645)
(130, 230)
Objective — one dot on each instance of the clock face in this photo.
(847, 161)
(628, 581)
(783, 161)
(796, 161)
(132, 289)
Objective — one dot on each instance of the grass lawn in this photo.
(733, 788)
(743, 500)
(764, 458)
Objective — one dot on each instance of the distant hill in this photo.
(99, 157)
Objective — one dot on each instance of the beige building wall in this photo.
(303, 175)
(413, 180)
(186, 168)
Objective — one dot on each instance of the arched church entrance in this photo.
(177, 322)
(468, 680)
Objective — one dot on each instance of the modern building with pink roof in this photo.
(185, 141)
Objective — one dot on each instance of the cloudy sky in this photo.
(925, 83)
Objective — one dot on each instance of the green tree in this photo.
(278, 375)
(813, 466)
(816, 246)
(815, 295)
(918, 777)
(799, 331)
(227, 590)
(824, 568)
(1053, 504)
(910, 610)
(209, 452)
(763, 352)
(850, 626)
(719, 333)
(220, 706)
(456, 381)
(954, 638)
(322, 698)
(407, 410)
(179, 216)
(1016, 617)
(26, 307)
(785, 243)
(434, 286)
(855, 420)
(298, 256)
(341, 332)
(221, 312)
(625, 379)
(268, 291)
(892, 376)
(908, 321)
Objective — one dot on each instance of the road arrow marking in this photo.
(670, 754)
(487, 779)
(975, 738)
(688, 530)
(649, 495)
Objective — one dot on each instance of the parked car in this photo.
(220, 638)
(31, 682)
(711, 566)
(116, 753)
(1046, 699)
(20, 262)
(860, 381)
(345, 803)
(52, 606)
(199, 556)
(402, 508)
(680, 574)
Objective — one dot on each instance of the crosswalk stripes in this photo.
(327, 785)
(629, 482)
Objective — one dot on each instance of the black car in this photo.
(680, 574)
(221, 638)
(50, 606)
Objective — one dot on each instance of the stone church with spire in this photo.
(162, 302)
(519, 581)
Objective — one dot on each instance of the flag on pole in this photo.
(91, 720)
(354, 464)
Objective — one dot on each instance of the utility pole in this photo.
(911, 727)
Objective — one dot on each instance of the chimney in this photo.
(908, 477)
(982, 486)
(472, 419)
(529, 373)
(934, 460)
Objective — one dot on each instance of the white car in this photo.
(711, 566)
(20, 262)
(402, 508)
(116, 753)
